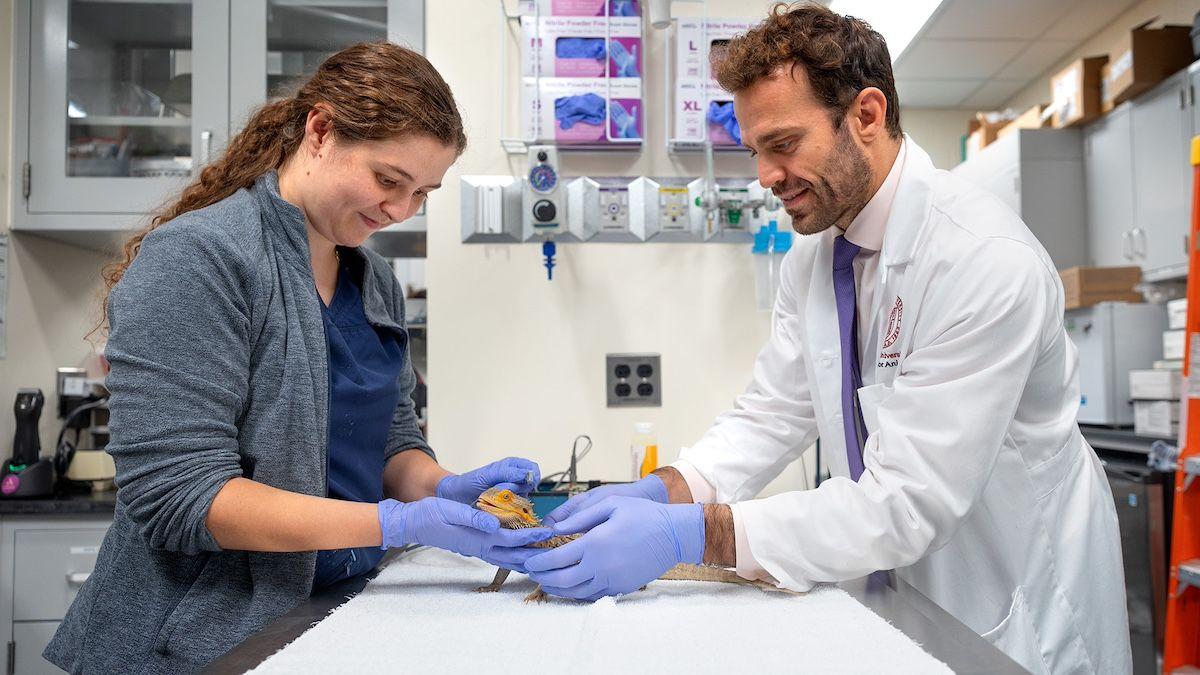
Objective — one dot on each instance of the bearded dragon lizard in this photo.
(516, 512)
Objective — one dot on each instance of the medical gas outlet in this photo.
(543, 206)
(544, 199)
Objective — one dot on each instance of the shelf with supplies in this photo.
(579, 78)
(699, 110)
(129, 121)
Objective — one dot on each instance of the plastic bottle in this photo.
(644, 449)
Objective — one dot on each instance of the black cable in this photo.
(64, 450)
(576, 457)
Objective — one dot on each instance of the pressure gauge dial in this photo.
(543, 179)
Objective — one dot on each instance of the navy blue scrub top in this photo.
(364, 388)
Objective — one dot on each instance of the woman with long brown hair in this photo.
(260, 380)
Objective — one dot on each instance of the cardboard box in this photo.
(692, 102)
(1156, 418)
(1106, 102)
(1075, 92)
(1142, 58)
(542, 42)
(579, 7)
(1155, 385)
(981, 133)
(1034, 118)
(596, 101)
(1173, 343)
(1177, 314)
(693, 60)
(1086, 286)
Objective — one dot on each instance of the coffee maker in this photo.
(26, 473)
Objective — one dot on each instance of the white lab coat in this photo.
(979, 489)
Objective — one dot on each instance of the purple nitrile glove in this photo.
(651, 487)
(628, 543)
(512, 473)
(453, 526)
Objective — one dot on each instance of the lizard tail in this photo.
(686, 572)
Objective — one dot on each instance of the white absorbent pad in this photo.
(420, 615)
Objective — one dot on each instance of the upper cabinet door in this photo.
(128, 100)
(1108, 169)
(1161, 175)
(278, 44)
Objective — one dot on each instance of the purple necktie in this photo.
(847, 309)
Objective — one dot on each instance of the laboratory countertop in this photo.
(1119, 439)
(944, 637)
(101, 503)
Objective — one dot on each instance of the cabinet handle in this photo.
(78, 578)
(1139, 242)
(205, 146)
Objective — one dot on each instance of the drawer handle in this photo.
(78, 578)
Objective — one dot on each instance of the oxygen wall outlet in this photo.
(598, 209)
(614, 209)
(633, 380)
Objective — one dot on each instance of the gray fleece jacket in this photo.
(219, 369)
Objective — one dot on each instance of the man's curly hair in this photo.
(841, 54)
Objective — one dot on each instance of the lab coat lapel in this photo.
(895, 306)
(824, 353)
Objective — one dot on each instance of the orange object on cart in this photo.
(1182, 638)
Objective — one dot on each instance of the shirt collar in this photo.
(867, 228)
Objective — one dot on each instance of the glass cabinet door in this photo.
(128, 101)
(278, 44)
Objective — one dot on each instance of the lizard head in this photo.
(513, 510)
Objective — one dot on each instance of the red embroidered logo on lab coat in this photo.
(893, 329)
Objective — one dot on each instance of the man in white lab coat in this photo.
(919, 334)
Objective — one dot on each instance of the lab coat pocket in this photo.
(869, 400)
(1016, 636)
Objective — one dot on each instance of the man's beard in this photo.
(842, 191)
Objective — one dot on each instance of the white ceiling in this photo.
(977, 54)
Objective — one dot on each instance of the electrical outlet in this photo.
(633, 380)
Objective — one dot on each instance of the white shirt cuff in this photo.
(702, 491)
(746, 566)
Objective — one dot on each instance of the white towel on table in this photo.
(419, 615)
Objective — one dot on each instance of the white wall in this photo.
(6, 30)
(517, 362)
(52, 291)
(938, 131)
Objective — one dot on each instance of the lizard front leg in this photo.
(538, 595)
(501, 576)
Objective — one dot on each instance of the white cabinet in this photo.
(1139, 179)
(127, 101)
(1108, 170)
(43, 562)
(29, 639)
(1039, 173)
(1161, 130)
